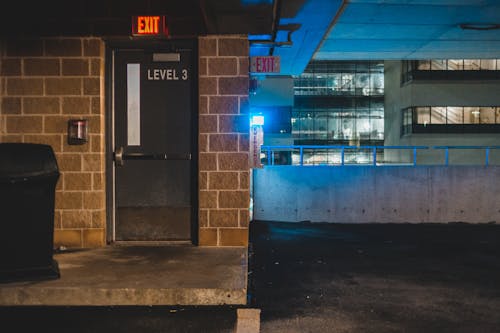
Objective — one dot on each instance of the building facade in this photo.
(445, 102)
(47, 81)
(333, 103)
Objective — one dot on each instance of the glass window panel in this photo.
(455, 64)
(307, 125)
(299, 124)
(320, 125)
(362, 80)
(347, 82)
(405, 116)
(377, 129)
(472, 64)
(438, 115)
(362, 84)
(295, 123)
(336, 84)
(377, 83)
(408, 116)
(377, 113)
(438, 64)
(377, 105)
(307, 157)
(424, 65)
(423, 115)
(334, 125)
(363, 128)
(317, 86)
(377, 67)
(487, 115)
(471, 115)
(455, 115)
(347, 129)
(413, 65)
(488, 64)
(134, 104)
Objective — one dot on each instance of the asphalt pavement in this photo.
(375, 277)
(304, 277)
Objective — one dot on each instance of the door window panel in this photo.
(134, 104)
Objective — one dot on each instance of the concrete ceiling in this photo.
(295, 30)
(389, 30)
(414, 29)
(304, 27)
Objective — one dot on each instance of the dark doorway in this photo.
(154, 112)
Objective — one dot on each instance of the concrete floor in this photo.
(138, 276)
(375, 278)
(303, 277)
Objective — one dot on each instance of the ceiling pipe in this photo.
(341, 9)
(209, 25)
(272, 43)
(276, 19)
(471, 26)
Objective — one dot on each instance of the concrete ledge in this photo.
(139, 275)
(248, 321)
(115, 297)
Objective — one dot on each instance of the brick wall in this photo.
(45, 82)
(224, 177)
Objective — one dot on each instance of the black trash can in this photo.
(28, 178)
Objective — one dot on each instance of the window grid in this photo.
(349, 78)
(338, 124)
(358, 114)
(449, 115)
(452, 65)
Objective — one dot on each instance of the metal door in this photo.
(153, 143)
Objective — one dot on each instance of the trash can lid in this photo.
(26, 160)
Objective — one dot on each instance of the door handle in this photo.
(120, 156)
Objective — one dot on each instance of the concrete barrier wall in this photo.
(364, 194)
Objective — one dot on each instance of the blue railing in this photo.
(487, 150)
(359, 155)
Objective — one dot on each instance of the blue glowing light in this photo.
(257, 119)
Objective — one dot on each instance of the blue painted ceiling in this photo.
(414, 29)
(387, 30)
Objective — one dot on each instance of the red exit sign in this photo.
(149, 26)
(265, 64)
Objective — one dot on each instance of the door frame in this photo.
(134, 43)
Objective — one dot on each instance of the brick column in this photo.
(45, 82)
(224, 176)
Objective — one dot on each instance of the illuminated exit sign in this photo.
(265, 64)
(149, 26)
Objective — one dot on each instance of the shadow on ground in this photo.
(375, 277)
(130, 319)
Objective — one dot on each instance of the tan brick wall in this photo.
(224, 185)
(43, 84)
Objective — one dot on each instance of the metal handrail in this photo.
(447, 150)
(270, 151)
